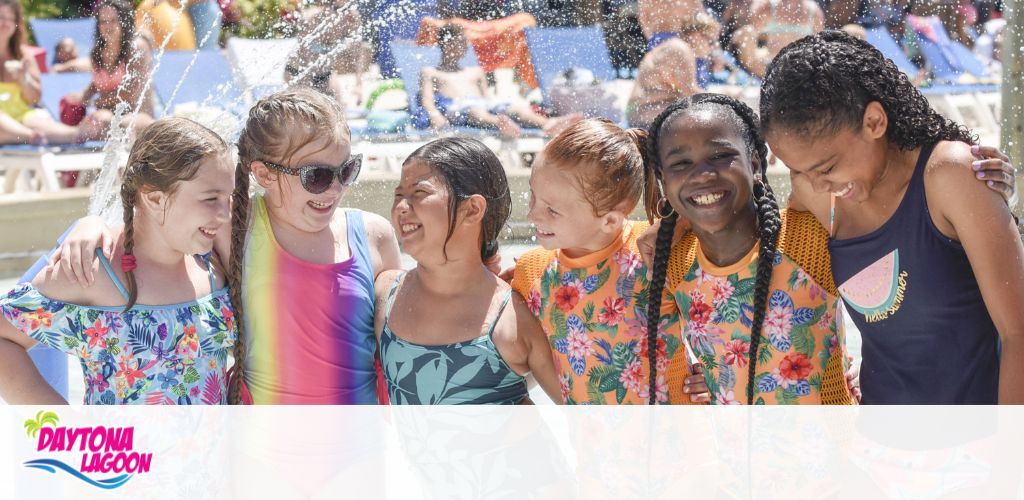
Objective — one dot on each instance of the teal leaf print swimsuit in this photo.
(470, 372)
(173, 354)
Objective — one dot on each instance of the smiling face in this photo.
(561, 216)
(706, 169)
(190, 218)
(109, 23)
(288, 201)
(420, 210)
(847, 164)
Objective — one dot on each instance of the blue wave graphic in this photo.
(50, 465)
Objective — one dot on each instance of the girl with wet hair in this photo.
(929, 263)
(450, 330)
(159, 328)
(752, 284)
(587, 284)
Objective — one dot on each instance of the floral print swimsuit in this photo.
(173, 354)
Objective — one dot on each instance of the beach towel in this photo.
(499, 43)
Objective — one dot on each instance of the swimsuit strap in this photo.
(111, 273)
(501, 308)
(832, 217)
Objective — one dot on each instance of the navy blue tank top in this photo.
(928, 338)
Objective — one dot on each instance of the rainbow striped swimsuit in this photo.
(309, 326)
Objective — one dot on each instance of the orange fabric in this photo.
(593, 310)
(499, 43)
(166, 21)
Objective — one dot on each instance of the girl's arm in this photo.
(437, 119)
(77, 254)
(538, 351)
(20, 381)
(980, 220)
(31, 88)
(383, 243)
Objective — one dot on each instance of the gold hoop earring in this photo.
(662, 213)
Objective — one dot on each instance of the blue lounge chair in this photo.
(879, 37)
(554, 50)
(57, 85)
(948, 59)
(202, 77)
(48, 32)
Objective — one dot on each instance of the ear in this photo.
(876, 121)
(152, 200)
(473, 209)
(264, 176)
(612, 221)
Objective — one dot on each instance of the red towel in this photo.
(500, 43)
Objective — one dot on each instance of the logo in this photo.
(104, 451)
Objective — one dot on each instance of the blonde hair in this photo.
(609, 163)
(278, 126)
(700, 23)
(166, 153)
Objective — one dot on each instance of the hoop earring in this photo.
(662, 213)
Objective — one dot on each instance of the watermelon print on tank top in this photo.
(911, 291)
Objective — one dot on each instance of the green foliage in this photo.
(263, 19)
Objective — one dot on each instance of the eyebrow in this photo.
(822, 163)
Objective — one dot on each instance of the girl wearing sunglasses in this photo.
(305, 304)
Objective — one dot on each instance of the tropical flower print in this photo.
(149, 355)
(798, 336)
(596, 321)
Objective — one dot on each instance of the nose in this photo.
(401, 206)
(820, 185)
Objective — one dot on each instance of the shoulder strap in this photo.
(804, 240)
(209, 268)
(111, 273)
(391, 295)
(501, 309)
(529, 268)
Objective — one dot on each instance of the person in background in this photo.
(775, 24)
(66, 60)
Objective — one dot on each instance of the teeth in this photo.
(544, 233)
(707, 199)
(408, 228)
(318, 204)
(207, 232)
(845, 191)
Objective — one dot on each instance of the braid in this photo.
(662, 248)
(239, 226)
(128, 195)
(769, 223)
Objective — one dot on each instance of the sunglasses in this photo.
(318, 178)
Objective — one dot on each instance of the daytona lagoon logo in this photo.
(104, 450)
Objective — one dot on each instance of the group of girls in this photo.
(742, 308)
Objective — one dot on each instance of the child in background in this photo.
(158, 331)
(303, 272)
(447, 330)
(753, 285)
(588, 284)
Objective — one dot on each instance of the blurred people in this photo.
(66, 59)
(775, 24)
(330, 43)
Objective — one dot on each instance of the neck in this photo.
(898, 169)
(451, 277)
(596, 245)
(728, 245)
(151, 246)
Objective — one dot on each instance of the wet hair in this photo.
(821, 84)
(126, 19)
(18, 37)
(768, 219)
(608, 162)
(166, 153)
(278, 126)
(468, 167)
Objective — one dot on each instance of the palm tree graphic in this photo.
(32, 426)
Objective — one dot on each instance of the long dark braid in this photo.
(768, 219)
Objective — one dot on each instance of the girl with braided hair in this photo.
(756, 301)
(587, 285)
(929, 262)
(302, 271)
(159, 330)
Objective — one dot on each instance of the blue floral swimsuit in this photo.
(173, 354)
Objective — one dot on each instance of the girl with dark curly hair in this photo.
(929, 263)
